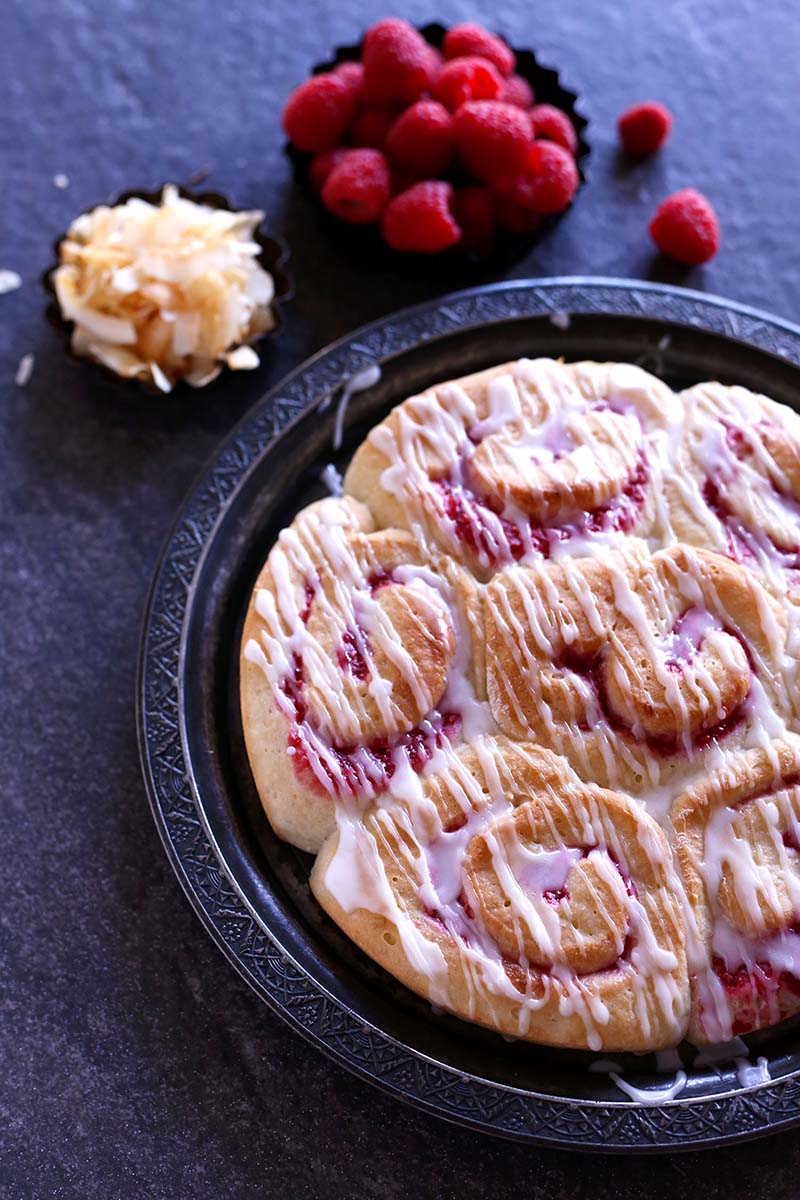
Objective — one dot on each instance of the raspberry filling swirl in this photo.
(738, 840)
(360, 645)
(368, 679)
(552, 909)
(496, 537)
(514, 462)
(522, 491)
(754, 492)
(524, 894)
(629, 663)
(360, 770)
(737, 487)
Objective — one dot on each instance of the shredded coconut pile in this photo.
(165, 292)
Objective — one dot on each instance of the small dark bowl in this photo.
(364, 242)
(273, 257)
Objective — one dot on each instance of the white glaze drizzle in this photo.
(362, 381)
(332, 479)
(650, 1096)
(752, 1074)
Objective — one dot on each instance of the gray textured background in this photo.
(133, 1061)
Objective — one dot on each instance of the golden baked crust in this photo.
(512, 685)
(600, 967)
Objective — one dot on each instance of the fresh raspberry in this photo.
(421, 139)
(318, 112)
(470, 39)
(321, 166)
(644, 128)
(357, 189)
(548, 181)
(516, 217)
(551, 123)
(518, 91)
(491, 138)
(466, 79)
(474, 211)
(398, 64)
(686, 227)
(419, 221)
(371, 127)
(352, 73)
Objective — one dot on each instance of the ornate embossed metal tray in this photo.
(249, 889)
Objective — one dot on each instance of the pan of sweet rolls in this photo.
(527, 690)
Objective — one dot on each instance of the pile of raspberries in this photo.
(390, 133)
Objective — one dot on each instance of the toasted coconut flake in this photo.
(159, 378)
(24, 370)
(165, 292)
(244, 358)
(9, 281)
(125, 280)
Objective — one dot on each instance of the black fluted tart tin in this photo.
(249, 888)
(273, 257)
(364, 242)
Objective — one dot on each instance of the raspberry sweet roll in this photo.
(360, 658)
(737, 837)
(510, 893)
(637, 667)
(523, 461)
(737, 486)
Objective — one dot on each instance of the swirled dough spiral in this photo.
(506, 464)
(521, 898)
(633, 665)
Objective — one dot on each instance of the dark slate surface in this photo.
(133, 1061)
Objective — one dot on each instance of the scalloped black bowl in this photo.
(365, 244)
(273, 258)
